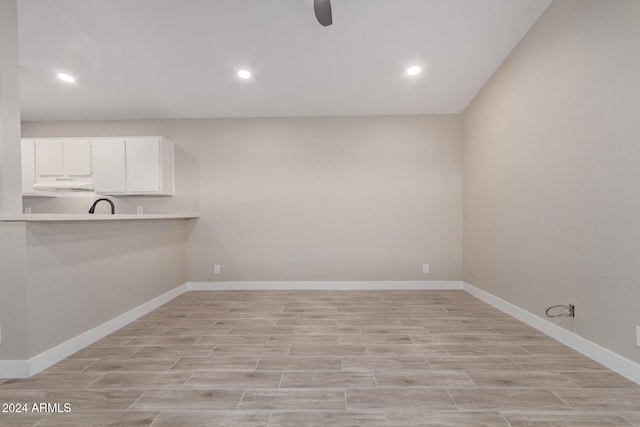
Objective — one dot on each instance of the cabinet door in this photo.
(109, 166)
(143, 165)
(28, 160)
(49, 158)
(77, 157)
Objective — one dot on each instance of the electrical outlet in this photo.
(638, 336)
(216, 269)
(473, 270)
(140, 210)
(425, 268)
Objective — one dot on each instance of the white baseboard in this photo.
(608, 358)
(14, 369)
(27, 368)
(324, 285)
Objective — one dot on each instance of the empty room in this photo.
(319, 213)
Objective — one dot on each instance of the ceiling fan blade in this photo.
(322, 8)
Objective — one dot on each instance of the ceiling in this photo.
(178, 58)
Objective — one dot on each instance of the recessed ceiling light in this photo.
(244, 74)
(414, 71)
(66, 78)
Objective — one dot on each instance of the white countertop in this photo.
(96, 217)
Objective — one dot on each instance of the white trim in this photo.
(14, 369)
(27, 368)
(608, 358)
(322, 285)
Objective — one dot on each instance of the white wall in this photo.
(9, 109)
(13, 294)
(12, 236)
(353, 198)
(82, 274)
(551, 194)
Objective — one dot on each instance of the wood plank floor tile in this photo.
(336, 358)
(80, 400)
(372, 339)
(601, 399)
(552, 349)
(190, 364)
(251, 350)
(299, 363)
(599, 379)
(52, 381)
(327, 350)
(406, 350)
(386, 362)
(71, 364)
(93, 352)
(326, 330)
(164, 340)
(423, 378)
(565, 420)
(99, 418)
(327, 379)
(141, 380)
(472, 362)
(206, 399)
(501, 399)
(234, 379)
(133, 364)
(292, 399)
(521, 379)
(304, 339)
(19, 419)
(334, 419)
(484, 349)
(211, 419)
(399, 398)
(216, 340)
(172, 351)
(553, 363)
(634, 419)
(445, 419)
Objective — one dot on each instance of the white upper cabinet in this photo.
(134, 166)
(77, 157)
(149, 166)
(109, 166)
(49, 158)
(143, 165)
(58, 158)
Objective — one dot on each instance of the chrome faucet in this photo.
(93, 207)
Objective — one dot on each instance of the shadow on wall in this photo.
(81, 242)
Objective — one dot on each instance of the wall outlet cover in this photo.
(216, 269)
(425, 268)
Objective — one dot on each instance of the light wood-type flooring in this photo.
(327, 358)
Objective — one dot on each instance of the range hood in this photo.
(64, 183)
